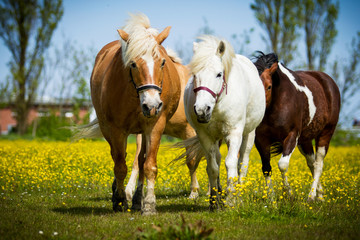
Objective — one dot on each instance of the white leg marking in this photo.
(284, 166)
(130, 187)
(304, 89)
(318, 166)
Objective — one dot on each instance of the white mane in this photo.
(206, 49)
(141, 38)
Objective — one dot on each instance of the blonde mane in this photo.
(173, 56)
(141, 38)
(207, 48)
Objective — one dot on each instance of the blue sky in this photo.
(93, 23)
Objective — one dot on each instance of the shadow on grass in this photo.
(100, 199)
(99, 211)
(175, 208)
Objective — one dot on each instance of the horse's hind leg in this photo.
(130, 187)
(307, 151)
(194, 186)
(243, 163)
(118, 153)
(322, 146)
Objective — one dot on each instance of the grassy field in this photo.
(57, 190)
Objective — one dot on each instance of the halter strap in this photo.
(148, 86)
(216, 96)
(145, 86)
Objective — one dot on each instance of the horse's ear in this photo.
(273, 68)
(195, 46)
(221, 48)
(124, 35)
(163, 35)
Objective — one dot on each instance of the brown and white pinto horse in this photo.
(300, 106)
(135, 88)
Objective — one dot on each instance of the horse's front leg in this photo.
(263, 147)
(150, 166)
(289, 145)
(130, 187)
(118, 153)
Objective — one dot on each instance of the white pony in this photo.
(225, 99)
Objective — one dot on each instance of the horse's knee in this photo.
(284, 163)
(150, 170)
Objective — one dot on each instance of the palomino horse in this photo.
(225, 99)
(177, 127)
(300, 106)
(135, 88)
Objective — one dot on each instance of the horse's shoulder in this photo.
(109, 49)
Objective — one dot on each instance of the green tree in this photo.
(320, 31)
(281, 20)
(348, 80)
(26, 27)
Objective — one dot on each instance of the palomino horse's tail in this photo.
(91, 130)
(193, 150)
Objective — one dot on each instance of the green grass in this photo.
(35, 210)
(89, 216)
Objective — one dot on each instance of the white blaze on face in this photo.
(304, 89)
(150, 97)
(148, 58)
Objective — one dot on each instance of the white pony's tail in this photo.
(91, 130)
(192, 150)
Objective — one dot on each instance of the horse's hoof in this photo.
(194, 195)
(129, 194)
(311, 199)
(136, 207)
(148, 212)
(120, 206)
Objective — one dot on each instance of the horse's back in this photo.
(317, 82)
(256, 95)
(178, 125)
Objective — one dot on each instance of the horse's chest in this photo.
(218, 129)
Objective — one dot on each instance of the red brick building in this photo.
(8, 120)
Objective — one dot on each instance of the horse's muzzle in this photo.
(151, 111)
(203, 115)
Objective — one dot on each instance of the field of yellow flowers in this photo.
(62, 189)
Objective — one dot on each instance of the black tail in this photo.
(276, 149)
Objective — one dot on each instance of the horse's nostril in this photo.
(208, 108)
(160, 105)
(145, 107)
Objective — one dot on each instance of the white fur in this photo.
(304, 89)
(150, 64)
(318, 166)
(235, 115)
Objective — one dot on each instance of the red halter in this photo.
(216, 96)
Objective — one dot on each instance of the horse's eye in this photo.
(219, 75)
(163, 63)
(133, 65)
(269, 88)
